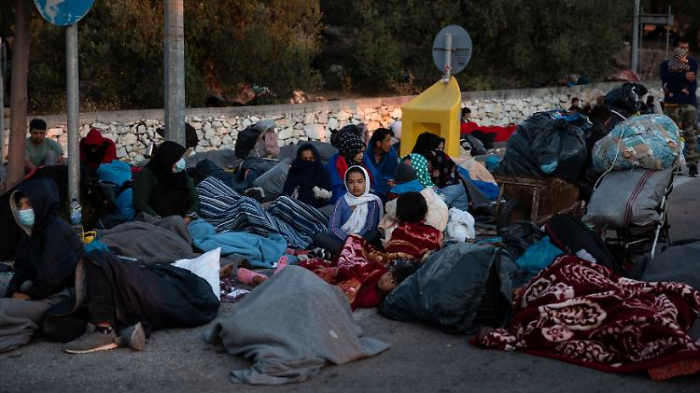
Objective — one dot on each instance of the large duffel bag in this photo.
(460, 288)
(627, 198)
(647, 141)
(571, 235)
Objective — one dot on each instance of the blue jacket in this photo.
(384, 170)
(337, 181)
(342, 213)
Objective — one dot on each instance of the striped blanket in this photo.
(227, 210)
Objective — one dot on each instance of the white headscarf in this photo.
(358, 219)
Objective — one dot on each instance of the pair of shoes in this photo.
(249, 277)
(94, 340)
(692, 170)
(133, 337)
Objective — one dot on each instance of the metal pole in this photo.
(2, 102)
(640, 39)
(448, 57)
(635, 38)
(18, 99)
(73, 112)
(668, 31)
(174, 72)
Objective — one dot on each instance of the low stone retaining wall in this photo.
(218, 128)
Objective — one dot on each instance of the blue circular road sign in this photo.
(63, 12)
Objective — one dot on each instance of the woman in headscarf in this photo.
(420, 166)
(307, 180)
(443, 173)
(351, 150)
(428, 142)
(163, 188)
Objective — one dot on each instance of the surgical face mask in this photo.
(180, 166)
(26, 217)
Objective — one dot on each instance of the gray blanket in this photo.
(19, 319)
(224, 158)
(290, 326)
(150, 241)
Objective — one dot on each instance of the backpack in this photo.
(246, 142)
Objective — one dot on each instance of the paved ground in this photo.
(421, 358)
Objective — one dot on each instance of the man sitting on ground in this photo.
(39, 150)
(96, 149)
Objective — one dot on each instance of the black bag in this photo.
(246, 141)
(572, 235)
(627, 98)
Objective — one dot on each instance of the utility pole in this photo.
(3, 56)
(635, 37)
(174, 72)
(18, 99)
(73, 112)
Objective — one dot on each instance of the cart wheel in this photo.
(510, 213)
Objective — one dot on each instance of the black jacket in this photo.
(48, 252)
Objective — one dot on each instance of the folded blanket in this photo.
(290, 326)
(259, 251)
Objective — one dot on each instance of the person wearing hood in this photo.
(163, 188)
(427, 142)
(49, 250)
(351, 150)
(96, 149)
(307, 180)
(383, 159)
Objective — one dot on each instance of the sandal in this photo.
(248, 276)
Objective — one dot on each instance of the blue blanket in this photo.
(261, 252)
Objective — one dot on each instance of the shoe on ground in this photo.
(92, 341)
(692, 170)
(133, 337)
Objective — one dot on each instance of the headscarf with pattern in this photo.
(420, 165)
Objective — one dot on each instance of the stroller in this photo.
(629, 210)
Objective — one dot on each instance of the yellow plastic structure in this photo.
(435, 110)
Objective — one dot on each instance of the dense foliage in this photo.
(364, 46)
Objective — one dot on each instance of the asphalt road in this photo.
(421, 358)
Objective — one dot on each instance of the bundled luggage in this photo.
(647, 141)
(627, 198)
(547, 144)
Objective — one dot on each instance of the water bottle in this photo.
(76, 218)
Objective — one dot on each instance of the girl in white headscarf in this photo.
(357, 213)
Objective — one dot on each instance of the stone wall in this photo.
(217, 128)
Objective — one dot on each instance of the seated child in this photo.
(356, 213)
(412, 239)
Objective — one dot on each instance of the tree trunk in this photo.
(18, 98)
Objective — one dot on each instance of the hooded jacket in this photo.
(48, 251)
(105, 153)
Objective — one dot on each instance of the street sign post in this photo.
(452, 50)
(63, 12)
(67, 13)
